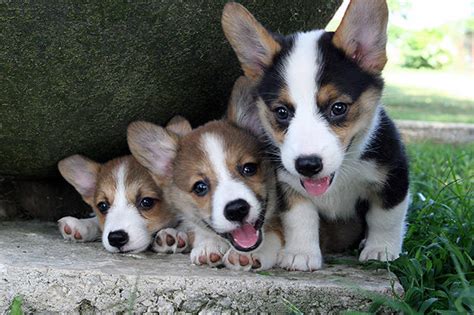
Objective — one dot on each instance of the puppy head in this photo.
(126, 200)
(220, 180)
(317, 92)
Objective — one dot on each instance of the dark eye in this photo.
(147, 203)
(249, 169)
(282, 113)
(200, 188)
(338, 109)
(103, 206)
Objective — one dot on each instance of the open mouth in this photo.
(247, 237)
(318, 186)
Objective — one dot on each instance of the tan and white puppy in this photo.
(130, 208)
(218, 178)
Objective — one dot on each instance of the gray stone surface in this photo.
(53, 275)
(436, 131)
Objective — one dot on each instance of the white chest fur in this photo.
(355, 179)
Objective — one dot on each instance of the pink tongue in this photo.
(317, 187)
(246, 236)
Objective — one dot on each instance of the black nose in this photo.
(236, 210)
(118, 238)
(309, 165)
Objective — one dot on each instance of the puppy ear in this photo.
(81, 173)
(242, 109)
(153, 147)
(362, 34)
(253, 44)
(179, 125)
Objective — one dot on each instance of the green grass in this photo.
(429, 95)
(436, 269)
(15, 307)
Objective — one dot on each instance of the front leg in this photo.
(208, 248)
(301, 231)
(79, 230)
(385, 231)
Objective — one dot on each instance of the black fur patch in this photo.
(387, 150)
(343, 73)
(272, 81)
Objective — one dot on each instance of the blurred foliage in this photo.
(426, 48)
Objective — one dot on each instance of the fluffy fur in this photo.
(229, 162)
(131, 211)
(316, 100)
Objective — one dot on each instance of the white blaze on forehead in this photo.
(302, 68)
(308, 132)
(123, 215)
(228, 188)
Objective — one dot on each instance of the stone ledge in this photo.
(53, 275)
(436, 131)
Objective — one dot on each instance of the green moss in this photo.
(72, 76)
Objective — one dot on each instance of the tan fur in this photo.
(358, 117)
(254, 45)
(370, 54)
(191, 163)
(138, 182)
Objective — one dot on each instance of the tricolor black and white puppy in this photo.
(131, 211)
(317, 98)
(224, 188)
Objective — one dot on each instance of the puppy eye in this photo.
(338, 109)
(249, 169)
(282, 113)
(200, 188)
(103, 206)
(147, 203)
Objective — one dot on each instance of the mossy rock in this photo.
(74, 75)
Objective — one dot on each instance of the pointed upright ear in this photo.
(81, 173)
(254, 45)
(153, 147)
(362, 34)
(179, 125)
(242, 109)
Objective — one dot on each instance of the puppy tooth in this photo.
(67, 230)
(170, 240)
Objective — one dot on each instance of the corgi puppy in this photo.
(131, 210)
(317, 103)
(218, 178)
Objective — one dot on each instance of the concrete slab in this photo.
(436, 131)
(53, 275)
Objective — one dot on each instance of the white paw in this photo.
(170, 241)
(209, 252)
(378, 253)
(77, 230)
(300, 261)
(256, 261)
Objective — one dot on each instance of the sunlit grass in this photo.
(429, 95)
(436, 269)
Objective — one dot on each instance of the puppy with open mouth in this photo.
(224, 188)
(317, 98)
(131, 211)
